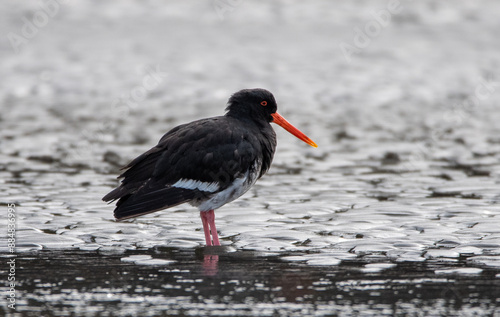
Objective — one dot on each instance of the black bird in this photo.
(206, 163)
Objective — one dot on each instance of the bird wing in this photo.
(190, 161)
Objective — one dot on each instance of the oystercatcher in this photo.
(206, 163)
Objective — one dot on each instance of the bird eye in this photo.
(263, 103)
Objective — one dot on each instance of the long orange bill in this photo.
(279, 120)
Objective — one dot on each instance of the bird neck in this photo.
(261, 123)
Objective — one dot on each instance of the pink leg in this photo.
(206, 228)
(213, 230)
(208, 219)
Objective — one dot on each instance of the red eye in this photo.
(263, 103)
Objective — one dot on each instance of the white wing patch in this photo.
(194, 184)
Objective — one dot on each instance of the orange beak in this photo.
(279, 120)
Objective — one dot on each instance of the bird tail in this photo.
(145, 202)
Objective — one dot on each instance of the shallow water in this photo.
(187, 282)
(395, 213)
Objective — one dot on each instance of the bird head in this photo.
(259, 105)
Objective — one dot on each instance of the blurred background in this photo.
(107, 73)
(401, 96)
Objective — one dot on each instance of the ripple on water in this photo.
(48, 241)
(377, 267)
(405, 256)
(460, 271)
(111, 250)
(490, 261)
(146, 260)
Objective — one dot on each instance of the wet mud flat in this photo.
(217, 282)
(397, 212)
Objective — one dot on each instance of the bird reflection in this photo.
(210, 264)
